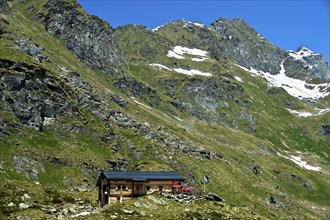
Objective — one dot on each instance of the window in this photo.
(124, 187)
(148, 188)
(160, 188)
(121, 187)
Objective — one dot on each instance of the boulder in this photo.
(307, 185)
(213, 197)
(30, 49)
(256, 170)
(325, 130)
(23, 206)
(11, 204)
(274, 200)
(120, 101)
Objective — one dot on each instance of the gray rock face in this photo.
(307, 66)
(137, 89)
(248, 48)
(31, 94)
(88, 37)
(120, 101)
(4, 6)
(208, 100)
(30, 49)
(29, 166)
(117, 165)
(325, 130)
(319, 66)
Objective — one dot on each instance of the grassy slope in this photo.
(234, 182)
(275, 124)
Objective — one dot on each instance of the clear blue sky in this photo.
(287, 24)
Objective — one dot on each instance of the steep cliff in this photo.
(88, 37)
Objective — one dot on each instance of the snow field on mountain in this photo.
(298, 160)
(139, 103)
(194, 23)
(185, 50)
(174, 55)
(305, 114)
(157, 28)
(192, 72)
(295, 87)
(199, 59)
(239, 79)
(160, 66)
(177, 118)
(183, 71)
(179, 51)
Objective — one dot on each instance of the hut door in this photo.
(139, 189)
(106, 194)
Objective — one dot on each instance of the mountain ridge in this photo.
(201, 24)
(267, 64)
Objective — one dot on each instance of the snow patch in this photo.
(160, 66)
(139, 103)
(261, 37)
(295, 87)
(185, 50)
(197, 24)
(305, 114)
(297, 160)
(199, 59)
(238, 78)
(179, 70)
(179, 51)
(177, 118)
(174, 55)
(192, 72)
(194, 23)
(157, 28)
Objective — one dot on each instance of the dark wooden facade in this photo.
(120, 186)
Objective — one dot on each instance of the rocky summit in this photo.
(79, 97)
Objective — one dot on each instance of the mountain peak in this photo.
(313, 63)
(301, 52)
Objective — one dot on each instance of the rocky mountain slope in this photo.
(79, 97)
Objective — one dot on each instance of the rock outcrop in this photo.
(211, 101)
(32, 94)
(243, 44)
(305, 64)
(90, 38)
